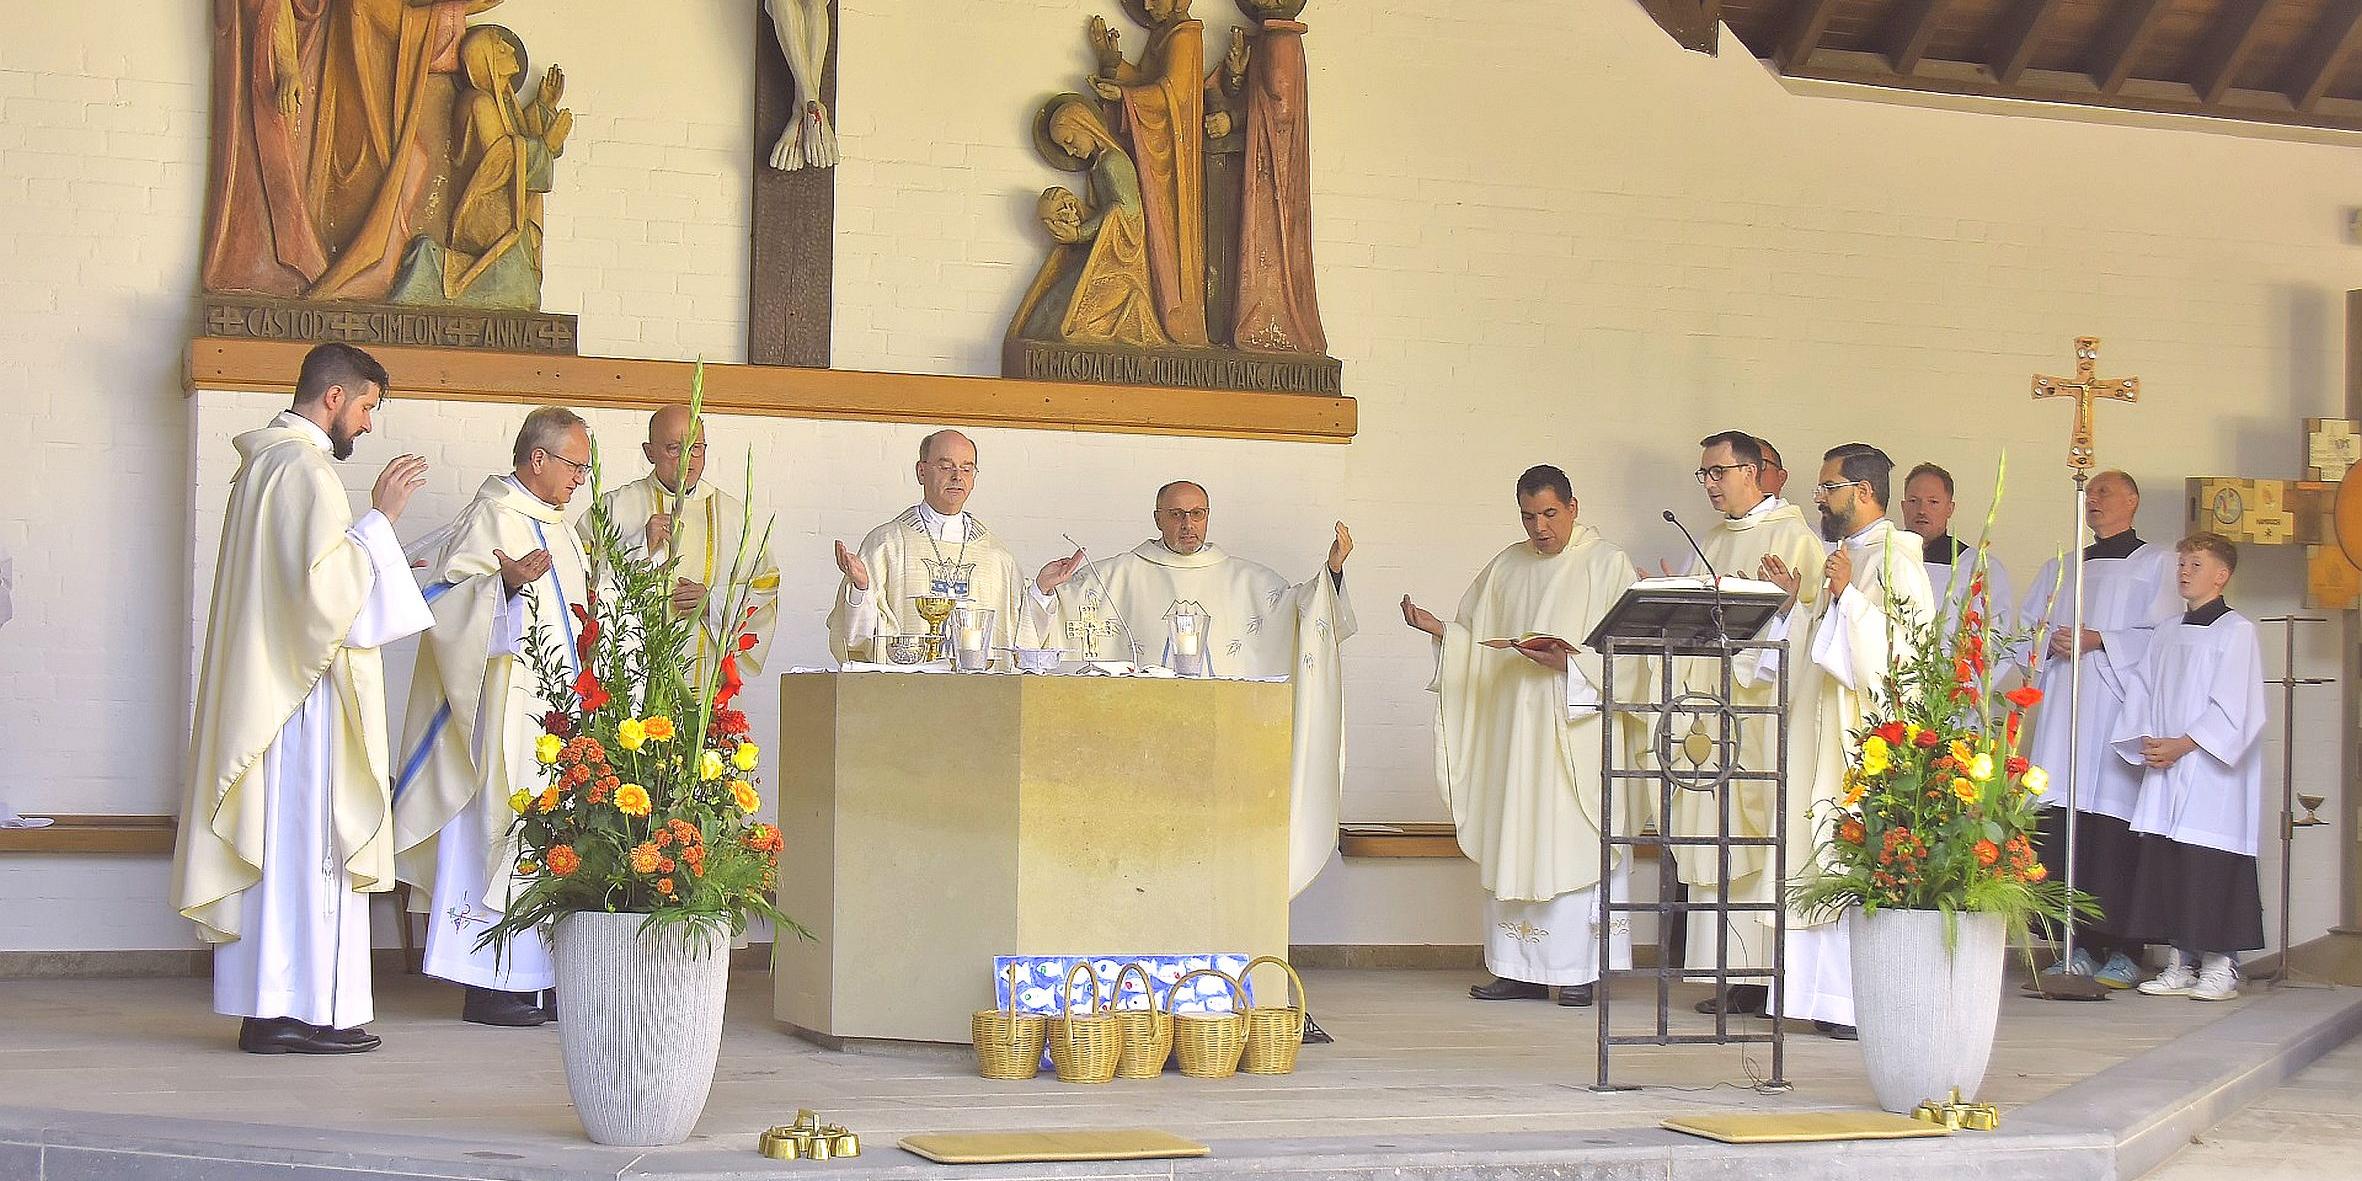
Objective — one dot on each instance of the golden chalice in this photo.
(934, 609)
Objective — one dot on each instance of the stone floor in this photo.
(1413, 1054)
(2309, 1127)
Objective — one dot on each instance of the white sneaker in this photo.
(2218, 979)
(2177, 980)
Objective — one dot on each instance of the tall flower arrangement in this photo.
(1939, 810)
(647, 794)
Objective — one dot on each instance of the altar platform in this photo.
(134, 1080)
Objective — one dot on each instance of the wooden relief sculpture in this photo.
(1217, 165)
(384, 153)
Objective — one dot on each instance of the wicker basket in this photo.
(1008, 1043)
(1275, 1032)
(1209, 1044)
(1084, 1049)
(1146, 1033)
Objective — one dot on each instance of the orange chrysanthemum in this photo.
(563, 860)
(2038, 872)
(1987, 852)
(1850, 831)
(645, 858)
(664, 838)
(664, 885)
(659, 728)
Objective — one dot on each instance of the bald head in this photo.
(2110, 501)
(929, 446)
(1182, 511)
(668, 437)
(947, 471)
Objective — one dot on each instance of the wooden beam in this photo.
(109, 833)
(2076, 88)
(1909, 31)
(2331, 43)
(1691, 24)
(1807, 25)
(2236, 31)
(2120, 47)
(783, 391)
(2019, 36)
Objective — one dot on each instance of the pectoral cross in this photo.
(2083, 387)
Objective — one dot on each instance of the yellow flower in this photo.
(659, 728)
(744, 757)
(709, 766)
(546, 748)
(527, 868)
(520, 800)
(1966, 790)
(1911, 733)
(1854, 787)
(2036, 780)
(632, 800)
(548, 801)
(1980, 768)
(744, 793)
(1874, 756)
(630, 734)
(1961, 754)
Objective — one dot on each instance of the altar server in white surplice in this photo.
(2129, 594)
(1873, 592)
(2191, 723)
(1518, 745)
(510, 565)
(936, 549)
(708, 532)
(1753, 532)
(1256, 625)
(286, 830)
(1928, 506)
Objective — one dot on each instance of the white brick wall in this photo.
(1591, 254)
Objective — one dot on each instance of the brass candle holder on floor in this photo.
(808, 1139)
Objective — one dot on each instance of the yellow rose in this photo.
(744, 757)
(1980, 768)
(709, 766)
(630, 734)
(2036, 780)
(546, 748)
(744, 793)
(659, 728)
(518, 801)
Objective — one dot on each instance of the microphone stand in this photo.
(1714, 577)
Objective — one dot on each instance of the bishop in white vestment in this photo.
(707, 527)
(1254, 624)
(2192, 724)
(510, 566)
(2129, 594)
(285, 831)
(1518, 746)
(1875, 591)
(936, 549)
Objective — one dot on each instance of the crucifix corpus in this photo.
(2086, 386)
(792, 266)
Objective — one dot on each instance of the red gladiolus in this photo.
(747, 642)
(1929, 737)
(2017, 765)
(1891, 733)
(731, 684)
(1963, 671)
(2024, 696)
(2016, 719)
(594, 696)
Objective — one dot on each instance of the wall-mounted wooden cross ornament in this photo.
(2293, 512)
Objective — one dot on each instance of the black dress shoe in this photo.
(514, 1010)
(1501, 988)
(285, 1035)
(1843, 1033)
(1741, 1000)
(1575, 996)
(356, 1036)
(1314, 1035)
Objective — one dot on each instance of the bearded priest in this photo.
(1518, 740)
(936, 549)
(286, 819)
(476, 708)
(1873, 593)
(706, 526)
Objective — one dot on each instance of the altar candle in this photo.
(1187, 642)
(971, 639)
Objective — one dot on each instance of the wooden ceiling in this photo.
(2270, 61)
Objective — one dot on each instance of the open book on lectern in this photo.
(1683, 610)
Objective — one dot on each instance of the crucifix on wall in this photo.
(792, 261)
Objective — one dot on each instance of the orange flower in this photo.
(563, 860)
(1987, 852)
(664, 885)
(664, 838)
(694, 857)
(548, 801)
(744, 794)
(2038, 872)
(659, 728)
(1965, 789)
(666, 865)
(527, 869)
(645, 858)
(632, 799)
(1850, 831)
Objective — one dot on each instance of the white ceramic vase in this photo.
(641, 1024)
(1925, 1008)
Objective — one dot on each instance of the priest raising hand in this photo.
(1340, 549)
(849, 564)
(518, 573)
(287, 810)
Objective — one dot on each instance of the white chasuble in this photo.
(475, 709)
(2130, 592)
(2204, 682)
(1518, 767)
(709, 533)
(924, 554)
(1257, 625)
(1736, 547)
(287, 815)
(1854, 646)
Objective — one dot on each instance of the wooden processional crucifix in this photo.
(2085, 386)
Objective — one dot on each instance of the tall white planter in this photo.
(1925, 1010)
(641, 1025)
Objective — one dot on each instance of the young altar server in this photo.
(2191, 723)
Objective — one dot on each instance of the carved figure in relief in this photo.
(1162, 99)
(1095, 286)
(1278, 309)
(259, 234)
(803, 29)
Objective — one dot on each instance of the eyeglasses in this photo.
(1184, 514)
(947, 468)
(673, 450)
(1822, 491)
(580, 469)
(1717, 473)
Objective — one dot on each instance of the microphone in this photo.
(1714, 576)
